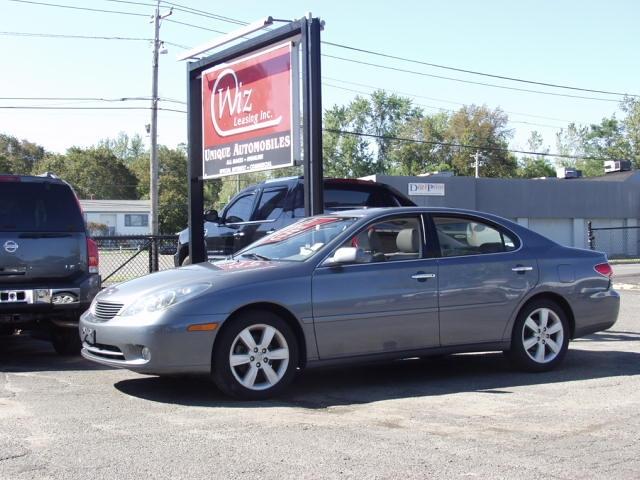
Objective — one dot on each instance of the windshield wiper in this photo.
(255, 256)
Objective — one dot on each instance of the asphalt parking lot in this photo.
(466, 416)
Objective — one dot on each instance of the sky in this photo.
(586, 44)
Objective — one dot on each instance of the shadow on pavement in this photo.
(22, 353)
(487, 373)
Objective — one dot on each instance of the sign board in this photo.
(431, 189)
(248, 112)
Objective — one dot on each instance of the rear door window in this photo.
(465, 236)
(39, 207)
(342, 198)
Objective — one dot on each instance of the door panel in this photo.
(387, 302)
(374, 308)
(479, 293)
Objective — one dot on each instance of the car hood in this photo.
(221, 275)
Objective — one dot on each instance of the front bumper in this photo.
(119, 342)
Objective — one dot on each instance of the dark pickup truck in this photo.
(261, 209)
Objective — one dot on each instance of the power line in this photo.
(195, 11)
(71, 7)
(441, 108)
(46, 107)
(463, 145)
(415, 95)
(83, 37)
(195, 26)
(414, 72)
(473, 72)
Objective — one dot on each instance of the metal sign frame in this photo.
(308, 31)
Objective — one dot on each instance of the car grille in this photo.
(106, 311)
(104, 351)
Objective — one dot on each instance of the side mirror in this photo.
(344, 255)
(211, 216)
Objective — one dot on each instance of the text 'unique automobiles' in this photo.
(356, 286)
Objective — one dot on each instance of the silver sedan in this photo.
(356, 286)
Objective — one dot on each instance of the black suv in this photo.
(271, 205)
(48, 265)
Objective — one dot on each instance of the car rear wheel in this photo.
(256, 356)
(66, 341)
(540, 336)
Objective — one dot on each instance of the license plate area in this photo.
(16, 296)
(89, 335)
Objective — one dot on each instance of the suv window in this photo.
(271, 204)
(240, 210)
(39, 207)
(463, 236)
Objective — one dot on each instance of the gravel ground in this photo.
(465, 416)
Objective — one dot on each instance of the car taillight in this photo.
(9, 178)
(94, 257)
(604, 269)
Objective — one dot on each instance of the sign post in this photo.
(244, 115)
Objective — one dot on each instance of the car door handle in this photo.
(269, 232)
(521, 269)
(423, 276)
(238, 234)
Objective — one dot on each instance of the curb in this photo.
(626, 286)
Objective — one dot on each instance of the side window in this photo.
(463, 236)
(389, 240)
(239, 210)
(271, 204)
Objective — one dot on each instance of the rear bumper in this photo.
(30, 305)
(596, 312)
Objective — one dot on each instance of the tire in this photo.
(539, 345)
(186, 261)
(250, 378)
(66, 341)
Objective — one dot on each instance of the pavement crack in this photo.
(12, 457)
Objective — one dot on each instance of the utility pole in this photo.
(476, 156)
(153, 182)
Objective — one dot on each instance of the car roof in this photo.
(44, 178)
(371, 212)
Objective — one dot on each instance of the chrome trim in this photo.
(249, 222)
(100, 352)
(522, 269)
(419, 276)
(104, 311)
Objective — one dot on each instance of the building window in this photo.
(140, 220)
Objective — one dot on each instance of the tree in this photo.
(19, 156)
(631, 107)
(420, 156)
(94, 173)
(381, 116)
(486, 129)
(535, 166)
(125, 148)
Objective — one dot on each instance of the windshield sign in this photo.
(299, 241)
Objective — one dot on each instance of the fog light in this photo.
(146, 353)
(63, 298)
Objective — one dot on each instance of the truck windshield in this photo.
(298, 241)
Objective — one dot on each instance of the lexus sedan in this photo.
(358, 285)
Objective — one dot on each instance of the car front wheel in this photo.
(540, 336)
(256, 356)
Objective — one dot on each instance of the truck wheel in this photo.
(66, 341)
(186, 260)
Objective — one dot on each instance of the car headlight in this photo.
(163, 299)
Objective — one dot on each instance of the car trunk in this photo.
(42, 233)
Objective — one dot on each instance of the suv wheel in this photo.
(66, 341)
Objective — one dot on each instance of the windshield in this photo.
(298, 241)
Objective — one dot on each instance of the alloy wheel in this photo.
(259, 357)
(542, 335)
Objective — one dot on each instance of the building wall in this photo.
(557, 209)
(117, 221)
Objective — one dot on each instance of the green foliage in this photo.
(95, 173)
(126, 149)
(535, 166)
(19, 156)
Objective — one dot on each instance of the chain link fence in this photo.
(616, 242)
(124, 258)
